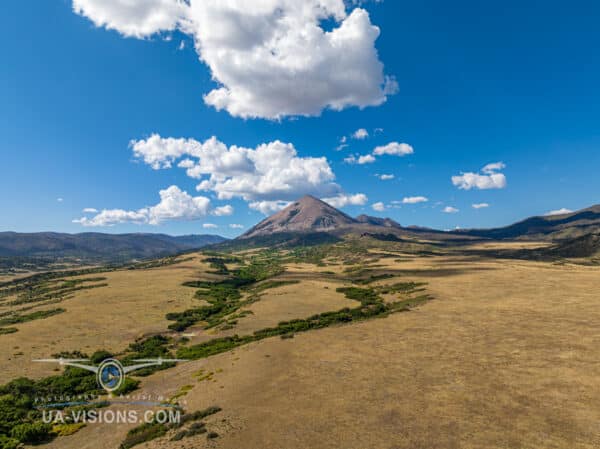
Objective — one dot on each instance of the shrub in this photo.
(64, 430)
(8, 443)
(196, 429)
(32, 433)
(145, 432)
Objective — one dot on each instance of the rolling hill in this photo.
(584, 246)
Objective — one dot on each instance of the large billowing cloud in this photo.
(489, 178)
(174, 204)
(270, 58)
(268, 177)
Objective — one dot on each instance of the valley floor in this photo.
(506, 355)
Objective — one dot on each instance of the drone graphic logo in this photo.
(111, 373)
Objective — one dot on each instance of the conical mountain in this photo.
(308, 214)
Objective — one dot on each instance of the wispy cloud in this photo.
(562, 211)
(415, 200)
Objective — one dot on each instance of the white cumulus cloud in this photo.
(236, 226)
(360, 134)
(480, 205)
(90, 210)
(209, 226)
(386, 177)
(174, 204)
(133, 18)
(343, 200)
(394, 149)
(269, 207)
(366, 159)
(270, 172)
(489, 178)
(269, 58)
(360, 160)
(223, 211)
(379, 207)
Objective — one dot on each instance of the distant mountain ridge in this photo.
(311, 215)
(308, 221)
(100, 247)
(376, 221)
(554, 227)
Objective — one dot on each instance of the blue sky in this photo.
(477, 84)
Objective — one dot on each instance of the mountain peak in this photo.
(308, 214)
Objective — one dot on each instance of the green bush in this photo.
(16, 319)
(31, 433)
(145, 432)
(8, 443)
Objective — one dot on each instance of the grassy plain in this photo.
(132, 305)
(504, 356)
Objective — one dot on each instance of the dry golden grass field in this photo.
(506, 355)
(132, 305)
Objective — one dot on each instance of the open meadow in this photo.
(501, 354)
